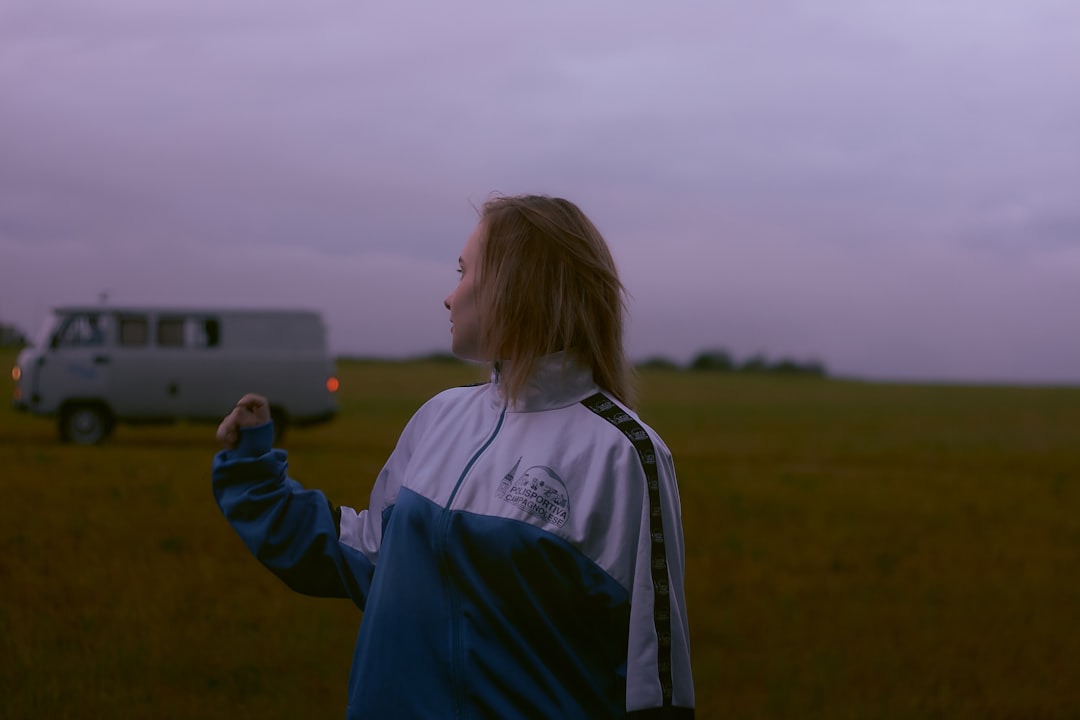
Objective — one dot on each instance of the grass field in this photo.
(854, 550)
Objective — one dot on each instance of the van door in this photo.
(189, 347)
(138, 389)
(75, 364)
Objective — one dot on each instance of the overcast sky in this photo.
(892, 188)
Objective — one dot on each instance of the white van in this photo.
(94, 366)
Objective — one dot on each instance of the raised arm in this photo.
(291, 530)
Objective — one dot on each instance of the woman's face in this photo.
(462, 303)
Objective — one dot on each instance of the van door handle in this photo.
(101, 359)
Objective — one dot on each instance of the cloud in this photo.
(867, 184)
(923, 312)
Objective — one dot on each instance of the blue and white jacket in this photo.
(520, 561)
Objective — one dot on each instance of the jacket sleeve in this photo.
(659, 681)
(291, 530)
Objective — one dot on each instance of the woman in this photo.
(522, 550)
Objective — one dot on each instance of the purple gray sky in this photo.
(890, 188)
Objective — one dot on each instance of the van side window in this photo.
(170, 332)
(133, 331)
(213, 333)
(203, 332)
(81, 330)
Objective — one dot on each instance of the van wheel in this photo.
(85, 424)
(280, 419)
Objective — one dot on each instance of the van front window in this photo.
(83, 329)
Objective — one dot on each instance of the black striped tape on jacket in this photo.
(632, 429)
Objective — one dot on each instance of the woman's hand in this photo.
(252, 410)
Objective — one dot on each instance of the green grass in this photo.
(854, 550)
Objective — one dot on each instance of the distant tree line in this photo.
(11, 336)
(720, 360)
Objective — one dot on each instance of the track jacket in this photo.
(520, 561)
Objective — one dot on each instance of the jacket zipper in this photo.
(456, 648)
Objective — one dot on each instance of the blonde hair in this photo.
(549, 284)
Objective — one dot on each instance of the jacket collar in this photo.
(557, 381)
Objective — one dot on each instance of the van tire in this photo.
(85, 424)
(280, 418)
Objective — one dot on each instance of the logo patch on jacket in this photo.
(539, 491)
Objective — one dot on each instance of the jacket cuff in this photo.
(255, 441)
